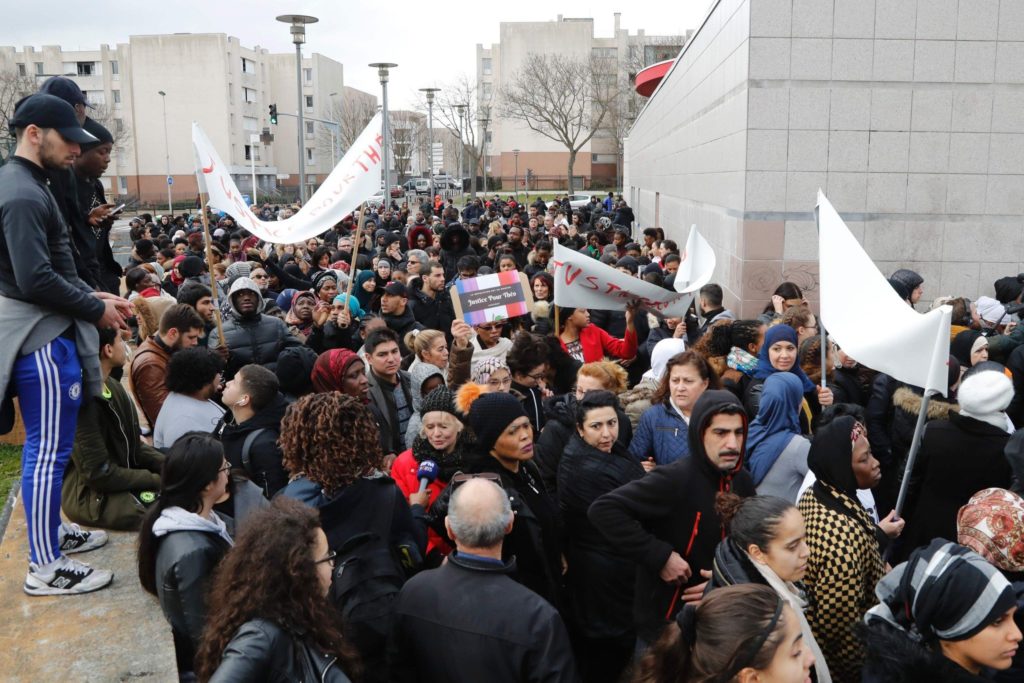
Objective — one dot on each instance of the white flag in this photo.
(356, 178)
(855, 296)
(697, 265)
(584, 282)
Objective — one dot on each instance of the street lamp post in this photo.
(483, 150)
(167, 154)
(515, 153)
(298, 30)
(335, 134)
(383, 72)
(461, 109)
(430, 133)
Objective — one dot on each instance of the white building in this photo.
(496, 64)
(909, 115)
(210, 78)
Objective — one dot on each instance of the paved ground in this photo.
(116, 634)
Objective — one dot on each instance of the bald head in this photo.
(479, 515)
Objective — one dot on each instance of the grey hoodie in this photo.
(417, 376)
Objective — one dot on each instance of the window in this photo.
(85, 68)
(248, 66)
(248, 152)
(485, 91)
(604, 52)
(307, 75)
(118, 125)
(309, 101)
(21, 70)
(490, 136)
(309, 129)
(114, 71)
(95, 96)
(122, 184)
(486, 66)
(309, 155)
(116, 95)
(249, 94)
(659, 53)
(250, 124)
(39, 68)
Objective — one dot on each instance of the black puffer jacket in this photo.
(261, 650)
(894, 658)
(600, 580)
(264, 468)
(557, 433)
(255, 338)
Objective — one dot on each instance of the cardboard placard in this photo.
(498, 296)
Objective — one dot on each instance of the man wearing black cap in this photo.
(48, 336)
(94, 220)
(394, 308)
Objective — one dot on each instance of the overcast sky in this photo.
(432, 42)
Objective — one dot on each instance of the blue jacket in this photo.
(661, 434)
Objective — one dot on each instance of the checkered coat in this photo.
(844, 566)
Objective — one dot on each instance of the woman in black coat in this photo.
(600, 582)
(958, 458)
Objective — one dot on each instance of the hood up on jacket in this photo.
(831, 455)
(244, 283)
(455, 239)
(417, 376)
(712, 403)
(416, 231)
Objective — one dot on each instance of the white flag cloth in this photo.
(356, 178)
(697, 266)
(909, 346)
(584, 282)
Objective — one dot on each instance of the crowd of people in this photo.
(334, 477)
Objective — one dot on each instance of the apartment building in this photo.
(597, 163)
(149, 90)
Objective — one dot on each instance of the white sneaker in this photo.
(75, 539)
(65, 577)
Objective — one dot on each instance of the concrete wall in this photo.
(909, 115)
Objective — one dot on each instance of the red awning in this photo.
(648, 79)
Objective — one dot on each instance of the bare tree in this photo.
(462, 123)
(565, 99)
(119, 130)
(351, 113)
(408, 142)
(12, 88)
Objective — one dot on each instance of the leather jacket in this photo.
(262, 650)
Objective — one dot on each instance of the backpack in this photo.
(368, 574)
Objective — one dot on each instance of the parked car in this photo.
(377, 199)
(578, 201)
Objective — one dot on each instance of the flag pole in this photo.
(356, 239)
(821, 325)
(915, 445)
(209, 267)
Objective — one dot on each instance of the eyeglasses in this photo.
(226, 467)
(260, 277)
(537, 377)
(499, 382)
(490, 327)
(329, 558)
(460, 478)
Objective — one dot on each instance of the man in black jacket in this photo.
(468, 620)
(251, 429)
(429, 300)
(666, 522)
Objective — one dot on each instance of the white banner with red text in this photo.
(356, 178)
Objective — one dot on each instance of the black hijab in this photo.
(831, 460)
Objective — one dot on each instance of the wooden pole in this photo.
(558, 330)
(356, 240)
(209, 266)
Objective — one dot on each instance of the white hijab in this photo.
(663, 351)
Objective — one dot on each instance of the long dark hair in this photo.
(690, 357)
(727, 624)
(754, 520)
(270, 574)
(787, 290)
(193, 462)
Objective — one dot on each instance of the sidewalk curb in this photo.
(5, 514)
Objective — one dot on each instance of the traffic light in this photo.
(273, 114)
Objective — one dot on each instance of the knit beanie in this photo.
(191, 266)
(440, 400)
(322, 277)
(294, 366)
(238, 269)
(984, 396)
(1009, 288)
(909, 278)
(490, 415)
(992, 525)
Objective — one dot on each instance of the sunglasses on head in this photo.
(460, 478)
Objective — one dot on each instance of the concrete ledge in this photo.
(116, 634)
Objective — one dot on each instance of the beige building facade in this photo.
(596, 164)
(209, 78)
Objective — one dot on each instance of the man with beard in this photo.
(49, 353)
(666, 521)
(394, 308)
(251, 336)
(430, 303)
(520, 252)
(180, 328)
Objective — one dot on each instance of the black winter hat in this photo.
(191, 266)
(441, 400)
(1009, 288)
(491, 414)
(295, 369)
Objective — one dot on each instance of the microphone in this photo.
(426, 473)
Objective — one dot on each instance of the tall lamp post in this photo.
(298, 30)
(384, 73)
(335, 134)
(483, 150)
(430, 134)
(515, 153)
(167, 153)
(461, 109)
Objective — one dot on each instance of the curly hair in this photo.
(332, 438)
(691, 357)
(189, 370)
(271, 574)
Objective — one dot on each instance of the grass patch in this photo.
(10, 469)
